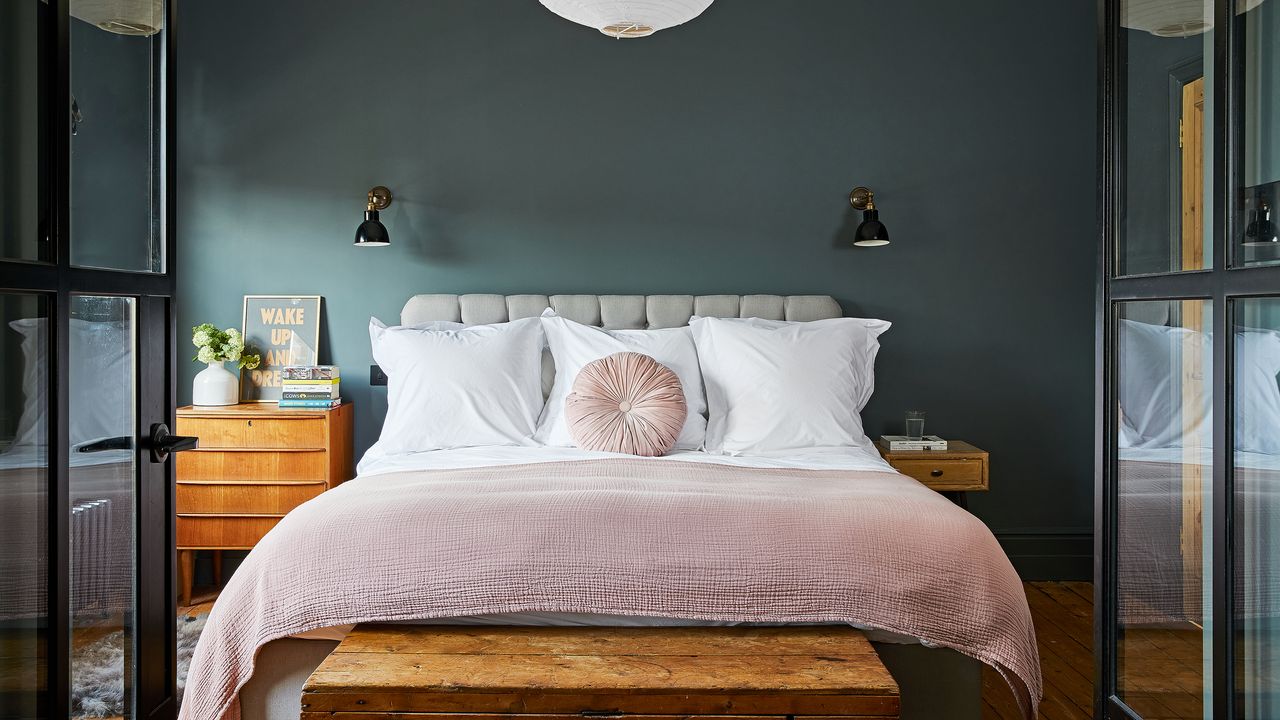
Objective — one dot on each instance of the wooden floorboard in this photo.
(1063, 617)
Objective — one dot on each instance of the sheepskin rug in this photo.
(97, 670)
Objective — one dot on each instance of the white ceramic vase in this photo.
(215, 385)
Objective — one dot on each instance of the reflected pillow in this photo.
(1161, 409)
(101, 401)
(1258, 392)
(1157, 409)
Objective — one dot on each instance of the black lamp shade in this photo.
(872, 232)
(371, 232)
(1261, 232)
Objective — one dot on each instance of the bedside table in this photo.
(255, 463)
(953, 472)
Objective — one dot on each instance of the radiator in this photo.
(91, 561)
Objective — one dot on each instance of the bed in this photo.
(558, 535)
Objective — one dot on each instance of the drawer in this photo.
(242, 498)
(222, 532)
(251, 465)
(945, 474)
(259, 432)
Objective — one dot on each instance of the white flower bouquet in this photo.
(216, 345)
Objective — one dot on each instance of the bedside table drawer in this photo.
(195, 498)
(253, 465)
(227, 533)
(944, 474)
(262, 433)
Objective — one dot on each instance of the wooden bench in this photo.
(546, 673)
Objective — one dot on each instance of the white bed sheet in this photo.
(861, 457)
(1198, 456)
(26, 456)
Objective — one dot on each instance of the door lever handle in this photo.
(162, 443)
(123, 442)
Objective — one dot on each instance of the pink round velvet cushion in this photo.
(626, 403)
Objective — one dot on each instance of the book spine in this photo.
(293, 381)
(310, 372)
(310, 403)
(308, 396)
(917, 444)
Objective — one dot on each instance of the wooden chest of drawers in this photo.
(255, 463)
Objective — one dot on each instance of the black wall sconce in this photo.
(1260, 231)
(372, 233)
(871, 232)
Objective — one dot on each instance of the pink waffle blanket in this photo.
(626, 537)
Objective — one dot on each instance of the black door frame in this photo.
(1222, 284)
(155, 369)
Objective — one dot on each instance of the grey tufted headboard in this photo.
(617, 312)
(613, 312)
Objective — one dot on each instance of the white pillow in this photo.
(573, 345)
(774, 385)
(451, 386)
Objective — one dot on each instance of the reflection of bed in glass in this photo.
(102, 501)
(101, 534)
(1165, 505)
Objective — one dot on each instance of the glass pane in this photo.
(1257, 242)
(22, 171)
(1257, 507)
(24, 551)
(1164, 480)
(114, 209)
(1167, 117)
(102, 431)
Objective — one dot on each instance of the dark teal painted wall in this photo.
(528, 154)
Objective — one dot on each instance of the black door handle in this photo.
(162, 442)
(124, 442)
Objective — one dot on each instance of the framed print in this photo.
(285, 330)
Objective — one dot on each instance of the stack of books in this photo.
(309, 386)
(895, 443)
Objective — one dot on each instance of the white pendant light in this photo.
(1174, 18)
(628, 18)
(122, 17)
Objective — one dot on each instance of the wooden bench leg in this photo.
(217, 568)
(186, 567)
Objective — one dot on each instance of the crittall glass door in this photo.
(1188, 401)
(86, 361)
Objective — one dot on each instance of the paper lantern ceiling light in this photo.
(1174, 18)
(122, 17)
(628, 18)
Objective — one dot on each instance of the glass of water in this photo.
(915, 424)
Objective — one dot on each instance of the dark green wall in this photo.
(528, 154)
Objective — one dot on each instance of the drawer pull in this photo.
(935, 473)
(250, 423)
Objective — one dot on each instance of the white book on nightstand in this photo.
(896, 443)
